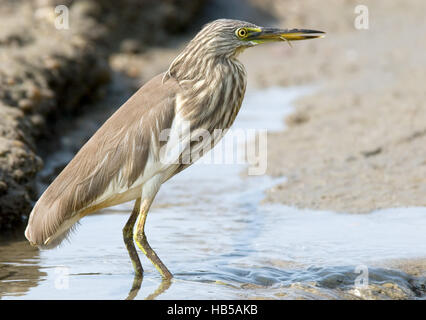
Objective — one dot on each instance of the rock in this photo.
(87, 8)
(26, 105)
(51, 63)
(131, 46)
(3, 187)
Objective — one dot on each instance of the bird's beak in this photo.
(262, 35)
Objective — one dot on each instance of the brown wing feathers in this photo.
(118, 150)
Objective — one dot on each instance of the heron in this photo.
(127, 160)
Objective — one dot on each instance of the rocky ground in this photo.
(46, 73)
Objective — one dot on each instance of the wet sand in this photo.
(357, 144)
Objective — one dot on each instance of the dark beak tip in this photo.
(312, 31)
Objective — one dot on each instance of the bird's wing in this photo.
(110, 162)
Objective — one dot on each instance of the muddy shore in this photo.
(357, 144)
(48, 73)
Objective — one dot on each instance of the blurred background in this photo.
(346, 141)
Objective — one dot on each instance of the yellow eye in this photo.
(242, 32)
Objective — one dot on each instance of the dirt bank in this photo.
(46, 73)
(358, 143)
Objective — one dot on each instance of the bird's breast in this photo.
(207, 108)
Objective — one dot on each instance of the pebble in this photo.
(26, 105)
(18, 175)
(34, 93)
(3, 187)
(18, 144)
(51, 63)
(10, 81)
(37, 120)
(130, 46)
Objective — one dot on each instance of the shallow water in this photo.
(209, 227)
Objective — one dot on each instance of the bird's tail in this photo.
(47, 227)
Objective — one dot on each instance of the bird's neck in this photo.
(214, 88)
(195, 64)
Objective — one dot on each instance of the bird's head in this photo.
(229, 37)
(225, 39)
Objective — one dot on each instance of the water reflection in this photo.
(19, 266)
(137, 284)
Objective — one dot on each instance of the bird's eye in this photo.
(242, 33)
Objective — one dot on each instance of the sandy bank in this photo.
(358, 143)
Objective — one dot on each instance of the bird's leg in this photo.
(128, 239)
(143, 244)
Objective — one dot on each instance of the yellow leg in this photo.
(142, 242)
(128, 239)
